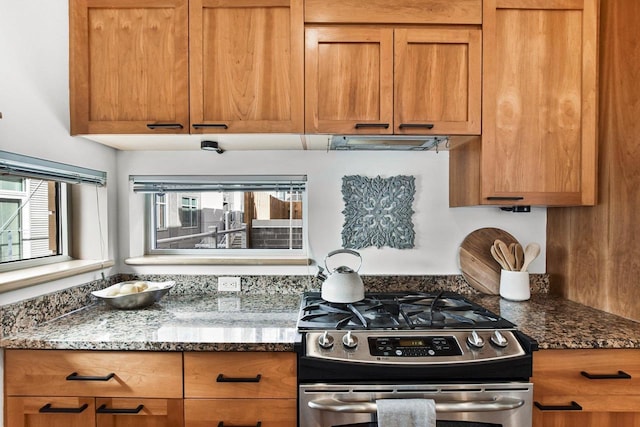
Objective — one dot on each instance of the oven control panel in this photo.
(412, 347)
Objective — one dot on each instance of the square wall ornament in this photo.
(378, 211)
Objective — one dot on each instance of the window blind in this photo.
(196, 183)
(32, 167)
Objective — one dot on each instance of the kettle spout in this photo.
(320, 274)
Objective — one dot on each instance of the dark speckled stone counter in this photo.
(177, 323)
(188, 320)
(557, 323)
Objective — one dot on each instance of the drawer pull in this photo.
(209, 125)
(621, 375)
(507, 198)
(154, 126)
(258, 424)
(104, 410)
(75, 377)
(572, 407)
(222, 379)
(415, 125)
(48, 409)
(372, 125)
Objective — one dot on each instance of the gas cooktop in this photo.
(398, 310)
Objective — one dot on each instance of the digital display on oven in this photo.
(415, 346)
(411, 342)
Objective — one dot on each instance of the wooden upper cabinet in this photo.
(128, 66)
(437, 81)
(539, 134)
(349, 80)
(383, 80)
(246, 65)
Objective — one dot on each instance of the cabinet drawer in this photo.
(241, 412)
(239, 375)
(139, 412)
(50, 411)
(559, 372)
(93, 373)
(586, 403)
(394, 11)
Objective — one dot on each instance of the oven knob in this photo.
(475, 340)
(350, 341)
(325, 340)
(499, 340)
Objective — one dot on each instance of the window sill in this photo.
(201, 260)
(22, 278)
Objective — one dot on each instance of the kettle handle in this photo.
(342, 251)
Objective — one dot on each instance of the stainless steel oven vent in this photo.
(387, 142)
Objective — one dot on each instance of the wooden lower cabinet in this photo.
(240, 389)
(73, 388)
(240, 412)
(587, 388)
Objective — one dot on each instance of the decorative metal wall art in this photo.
(378, 211)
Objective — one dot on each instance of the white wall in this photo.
(439, 229)
(34, 101)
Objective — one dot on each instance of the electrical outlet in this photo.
(228, 284)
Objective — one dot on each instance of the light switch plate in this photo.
(229, 284)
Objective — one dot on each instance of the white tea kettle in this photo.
(343, 285)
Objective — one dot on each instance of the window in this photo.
(220, 214)
(34, 209)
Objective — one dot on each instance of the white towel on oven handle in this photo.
(406, 412)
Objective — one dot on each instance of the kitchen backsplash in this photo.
(25, 314)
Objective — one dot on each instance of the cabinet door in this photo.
(349, 80)
(50, 412)
(539, 102)
(139, 412)
(246, 65)
(437, 81)
(128, 66)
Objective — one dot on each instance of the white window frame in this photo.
(30, 167)
(149, 184)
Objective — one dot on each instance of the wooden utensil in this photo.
(531, 252)
(498, 257)
(518, 252)
(478, 266)
(503, 249)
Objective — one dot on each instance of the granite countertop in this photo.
(261, 322)
(267, 322)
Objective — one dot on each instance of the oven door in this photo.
(457, 405)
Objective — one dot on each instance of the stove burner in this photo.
(397, 311)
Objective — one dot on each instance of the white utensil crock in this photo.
(514, 285)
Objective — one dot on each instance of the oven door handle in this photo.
(493, 405)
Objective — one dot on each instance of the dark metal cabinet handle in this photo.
(415, 125)
(258, 424)
(48, 409)
(505, 198)
(574, 406)
(75, 377)
(621, 375)
(154, 126)
(209, 125)
(222, 379)
(104, 410)
(372, 125)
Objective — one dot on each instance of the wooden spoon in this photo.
(498, 257)
(530, 253)
(518, 253)
(503, 249)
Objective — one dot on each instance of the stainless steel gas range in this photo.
(441, 346)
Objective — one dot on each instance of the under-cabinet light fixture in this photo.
(211, 146)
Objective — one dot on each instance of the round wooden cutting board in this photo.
(478, 267)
